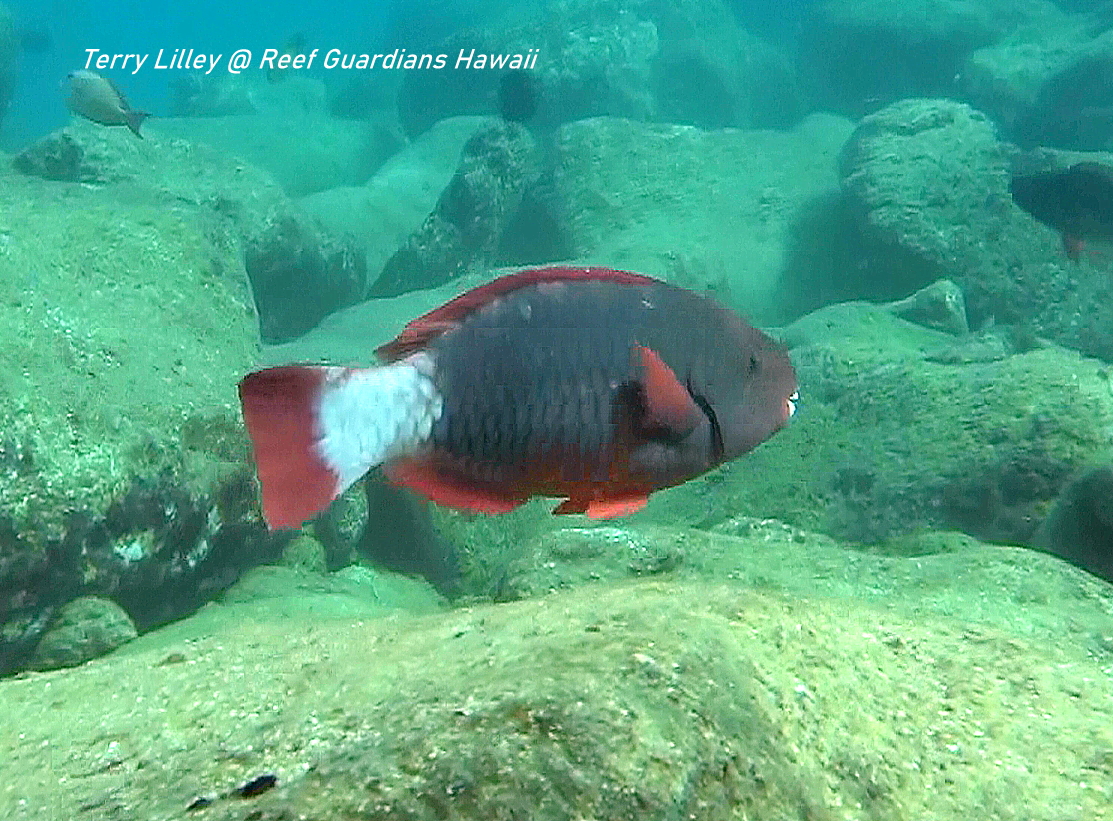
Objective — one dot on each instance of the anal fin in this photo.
(422, 477)
(603, 508)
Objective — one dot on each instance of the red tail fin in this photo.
(280, 410)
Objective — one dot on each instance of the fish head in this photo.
(743, 392)
(756, 395)
(81, 77)
(82, 86)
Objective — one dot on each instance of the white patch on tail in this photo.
(368, 416)
(316, 430)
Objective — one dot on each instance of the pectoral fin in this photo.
(668, 405)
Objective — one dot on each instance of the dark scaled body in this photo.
(546, 392)
(593, 385)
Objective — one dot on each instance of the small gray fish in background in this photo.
(96, 98)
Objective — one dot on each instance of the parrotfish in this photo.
(593, 385)
(1077, 202)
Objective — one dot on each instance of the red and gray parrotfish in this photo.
(594, 385)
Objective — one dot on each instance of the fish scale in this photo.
(561, 405)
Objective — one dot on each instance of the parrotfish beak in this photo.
(790, 405)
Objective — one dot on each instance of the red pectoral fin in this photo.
(667, 403)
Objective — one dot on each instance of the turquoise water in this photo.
(896, 605)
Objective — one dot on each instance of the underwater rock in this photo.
(927, 185)
(340, 527)
(1080, 526)
(304, 151)
(382, 214)
(123, 463)
(518, 95)
(707, 210)
(295, 273)
(85, 628)
(862, 54)
(158, 550)
(673, 61)
(400, 536)
(1023, 81)
(1069, 83)
(298, 593)
(57, 156)
(464, 230)
(652, 699)
(304, 553)
(299, 276)
(986, 346)
(561, 557)
(211, 186)
(940, 305)
(921, 175)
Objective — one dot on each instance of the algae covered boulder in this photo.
(712, 210)
(296, 272)
(87, 627)
(392, 205)
(654, 699)
(471, 215)
(860, 52)
(128, 322)
(973, 433)
(926, 183)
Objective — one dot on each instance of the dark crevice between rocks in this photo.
(159, 550)
(834, 257)
(1005, 502)
(1079, 528)
(299, 277)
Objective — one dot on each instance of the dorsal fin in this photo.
(419, 332)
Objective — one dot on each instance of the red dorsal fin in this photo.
(667, 403)
(419, 332)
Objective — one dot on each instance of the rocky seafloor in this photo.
(772, 674)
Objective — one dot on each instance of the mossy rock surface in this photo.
(705, 209)
(127, 323)
(85, 628)
(122, 331)
(652, 699)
